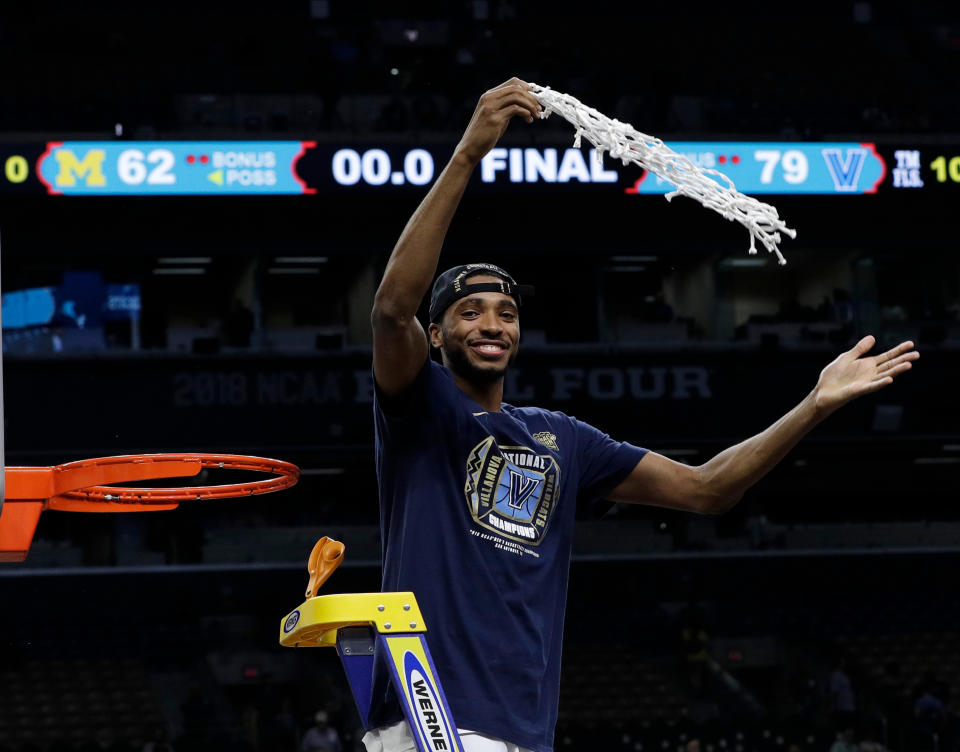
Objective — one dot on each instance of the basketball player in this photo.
(477, 497)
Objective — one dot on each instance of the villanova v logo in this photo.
(845, 172)
(521, 488)
(511, 490)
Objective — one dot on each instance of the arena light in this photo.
(739, 262)
(184, 260)
(186, 271)
(300, 259)
(293, 270)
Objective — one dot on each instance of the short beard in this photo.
(458, 362)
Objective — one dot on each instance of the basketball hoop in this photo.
(83, 486)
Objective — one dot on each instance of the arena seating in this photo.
(76, 700)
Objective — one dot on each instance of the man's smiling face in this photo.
(478, 335)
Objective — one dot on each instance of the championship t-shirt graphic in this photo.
(511, 490)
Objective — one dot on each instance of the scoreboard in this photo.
(116, 168)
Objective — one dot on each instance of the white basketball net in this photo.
(625, 143)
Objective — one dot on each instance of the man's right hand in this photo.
(492, 116)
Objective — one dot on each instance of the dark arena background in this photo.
(196, 205)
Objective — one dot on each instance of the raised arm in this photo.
(718, 484)
(399, 342)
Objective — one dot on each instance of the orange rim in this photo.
(286, 475)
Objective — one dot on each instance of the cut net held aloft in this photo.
(710, 187)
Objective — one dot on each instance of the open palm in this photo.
(854, 373)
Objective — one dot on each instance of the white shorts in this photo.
(397, 738)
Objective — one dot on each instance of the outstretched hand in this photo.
(492, 116)
(854, 373)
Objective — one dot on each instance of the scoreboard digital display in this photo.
(196, 168)
(156, 168)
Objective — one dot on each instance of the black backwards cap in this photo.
(451, 286)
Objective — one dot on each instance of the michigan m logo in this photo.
(89, 169)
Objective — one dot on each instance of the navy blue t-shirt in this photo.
(476, 514)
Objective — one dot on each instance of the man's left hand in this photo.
(853, 373)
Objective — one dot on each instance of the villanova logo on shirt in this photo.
(511, 490)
